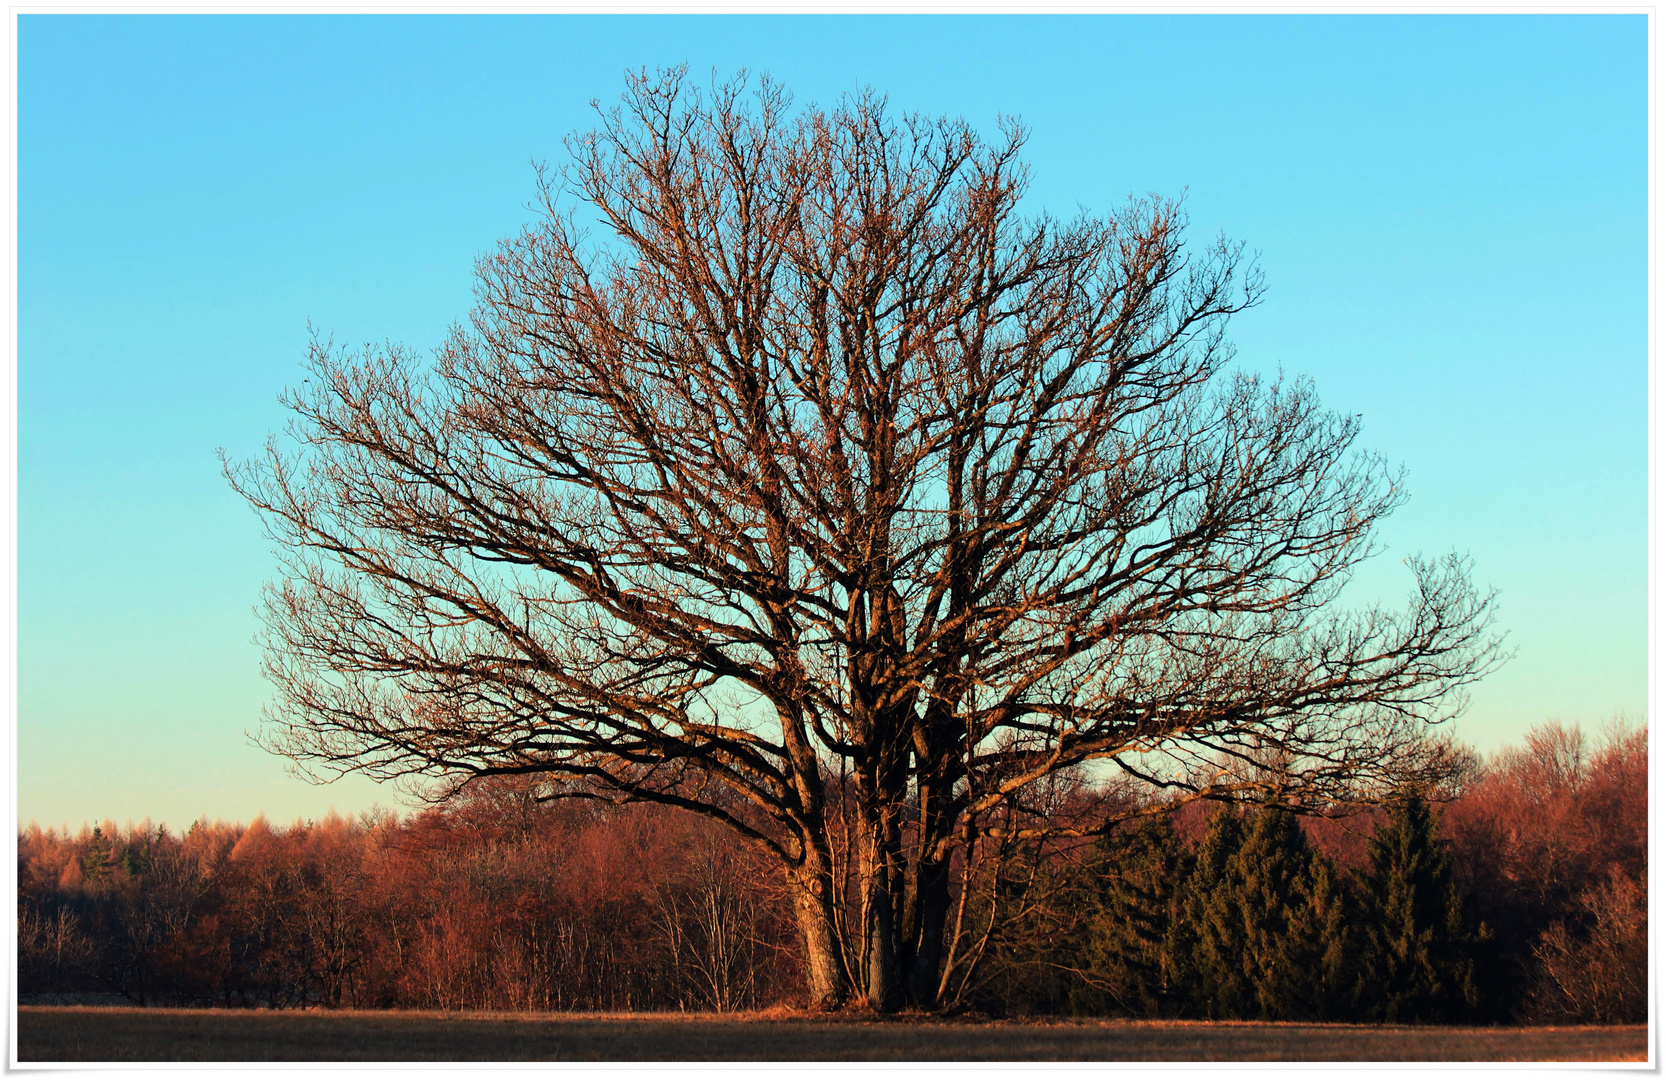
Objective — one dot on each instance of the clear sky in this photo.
(1451, 213)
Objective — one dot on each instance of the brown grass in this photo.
(79, 1033)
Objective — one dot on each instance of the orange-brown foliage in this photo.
(1545, 840)
(498, 901)
(495, 901)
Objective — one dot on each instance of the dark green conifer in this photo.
(1270, 923)
(139, 853)
(1132, 961)
(97, 860)
(1295, 931)
(1418, 961)
(1210, 936)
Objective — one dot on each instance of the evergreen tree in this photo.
(1419, 958)
(1133, 961)
(1210, 937)
(1294, 927)
(1269, 923)
(97, 860)
(1334, 914)
(139, 853)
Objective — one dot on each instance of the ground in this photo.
(79, 1033)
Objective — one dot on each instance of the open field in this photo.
(77, 1033)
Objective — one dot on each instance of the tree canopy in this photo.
(832, 494)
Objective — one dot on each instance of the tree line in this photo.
(1518, 895)
(1524, 898)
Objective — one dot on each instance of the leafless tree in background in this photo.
(827, 472)
(708, 920)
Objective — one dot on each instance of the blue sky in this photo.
(1451, 213)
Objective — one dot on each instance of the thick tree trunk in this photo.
(930, 924)
(926, 905)
(885, 868)
(885, 984)
(824, 967)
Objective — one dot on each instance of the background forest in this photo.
(1518, 896)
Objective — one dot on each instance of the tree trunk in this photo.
(824, 968)
(884, 977)
(931, 920)
(885, 867)
(927, 898)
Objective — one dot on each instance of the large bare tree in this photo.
(826, 493)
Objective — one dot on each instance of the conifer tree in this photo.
(1295, 931)
(138, 854)
(97, 860)
(1419, 958)
(1134, 960)
(1211, 934)
(1333, 913)
(1269, 921)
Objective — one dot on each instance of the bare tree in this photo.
(708, 920)
(827, 475)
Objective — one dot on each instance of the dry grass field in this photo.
(77, 1033)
